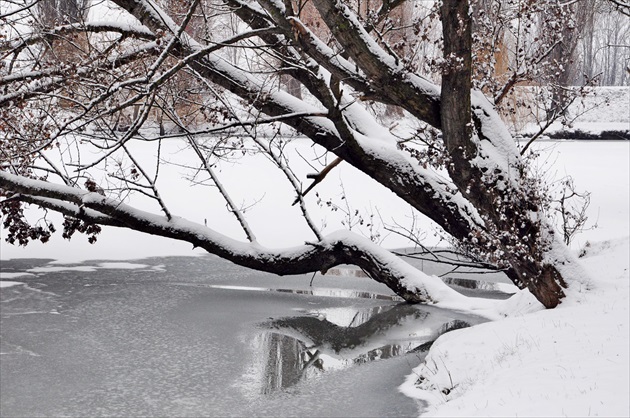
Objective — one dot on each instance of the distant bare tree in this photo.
(564, 58)
(52, 13)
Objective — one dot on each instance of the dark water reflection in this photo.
(302, 347)
(198, 337)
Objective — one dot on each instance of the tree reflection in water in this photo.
(295, 348)
(288, 360)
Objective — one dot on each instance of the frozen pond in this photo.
(196, 336)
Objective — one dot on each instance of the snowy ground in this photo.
(570, 361)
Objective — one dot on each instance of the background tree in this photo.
(470, 180)
(563, 58)
(51, 13)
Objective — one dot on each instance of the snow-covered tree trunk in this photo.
(496, 187)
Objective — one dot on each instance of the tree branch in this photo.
(317, 178)
(338, 248)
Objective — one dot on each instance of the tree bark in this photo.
(541, 279)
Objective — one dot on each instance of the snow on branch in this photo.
(68, 209)
(328, 58)
(338, 248)
(15, 46)
(497, 149)
(356, 41)
(400, 86)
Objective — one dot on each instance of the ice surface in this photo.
(182, 342)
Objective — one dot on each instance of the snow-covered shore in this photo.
(570, 361)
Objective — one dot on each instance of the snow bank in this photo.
(570, 361)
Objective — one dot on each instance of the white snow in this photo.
(12, 275)
(56, 266)
(126, 266)
(8, 283)
(570, 361)
(508, 367)
(601, 109)
(52, 269)
(601, 168)
(249, 288)
(498, 150)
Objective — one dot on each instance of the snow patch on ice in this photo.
(54, 269)
(126, 266)
(8, 283)
(13, 275)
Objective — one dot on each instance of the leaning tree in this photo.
(468, 176)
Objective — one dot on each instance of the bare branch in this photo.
(317, 178)
(231, 205)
